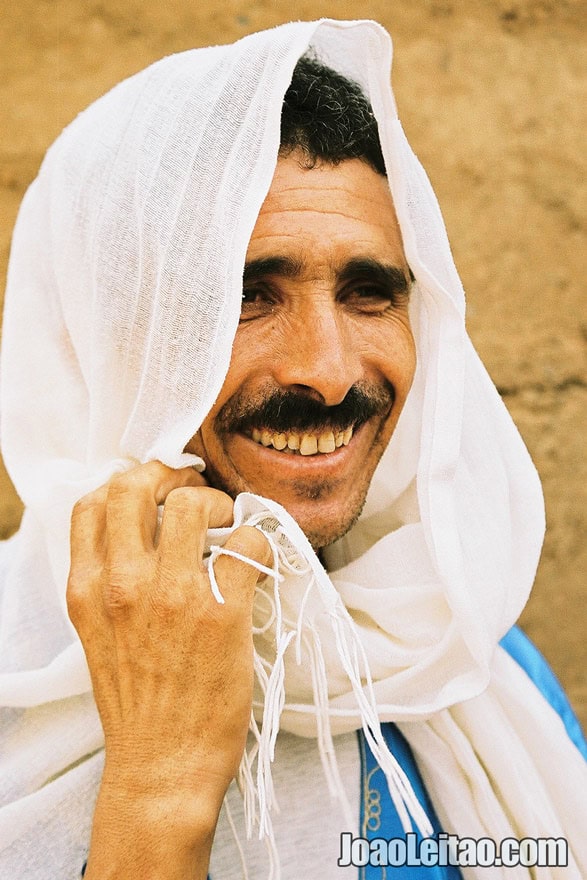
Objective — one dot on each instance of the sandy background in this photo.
(491, 97)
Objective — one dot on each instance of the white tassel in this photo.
(256, 785)
(400, 789)
(245, 873)
(215, 552)
(324, 738)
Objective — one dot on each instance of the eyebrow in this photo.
(283, 267)
(392, 277)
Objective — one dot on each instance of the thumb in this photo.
(237, 578)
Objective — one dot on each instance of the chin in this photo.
(323, 524)
(324, 509)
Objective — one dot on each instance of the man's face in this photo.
(324, 357)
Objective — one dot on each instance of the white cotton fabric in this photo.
(307, 836)
(123, 299)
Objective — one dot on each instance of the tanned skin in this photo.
(325, 310)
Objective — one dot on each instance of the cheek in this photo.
(391, 351)
(245, 363)
(258, 346)
(405, 364)
(385, 349)
(251, 351)
(248, 361)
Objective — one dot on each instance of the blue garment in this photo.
(527, 655)
(379, 818)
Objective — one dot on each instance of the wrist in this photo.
(189, 807)
(153, 835)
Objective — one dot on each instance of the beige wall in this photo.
(492, 100)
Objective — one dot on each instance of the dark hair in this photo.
(328, 118)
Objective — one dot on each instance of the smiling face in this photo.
(324, 357)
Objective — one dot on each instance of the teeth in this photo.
(305, 444)
(326, 442)
(308, 445)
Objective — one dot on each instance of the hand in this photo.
(171, 668)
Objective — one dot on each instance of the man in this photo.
(219, 283)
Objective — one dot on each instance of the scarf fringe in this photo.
(255, 777)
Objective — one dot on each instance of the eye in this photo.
(257, 301)
(365, 296)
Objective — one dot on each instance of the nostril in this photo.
(308, 391)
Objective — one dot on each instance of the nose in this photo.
(318, 354)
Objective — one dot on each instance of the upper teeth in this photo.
(307, 444)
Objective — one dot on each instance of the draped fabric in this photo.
(122, 303)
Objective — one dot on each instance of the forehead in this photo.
(327, 213)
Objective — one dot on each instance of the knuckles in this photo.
(105, 580)
(119, 600)
(200, 499)
(77, 598)
(126, 485)
(175, 598)
(185, 498)
(123, 584)
(251, 542)
(140, 481)
(81, 591)
(89, 504)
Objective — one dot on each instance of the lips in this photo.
(317, 443)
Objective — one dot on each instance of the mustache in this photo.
(281, 411)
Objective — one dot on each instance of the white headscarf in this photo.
(123, 300)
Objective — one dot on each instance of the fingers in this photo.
(132, 502)
(237, 578)
(171, 668)
(187, 515)
(88, 526)
(113, 532)
(113, 526)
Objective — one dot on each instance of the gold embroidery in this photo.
(372, 805)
